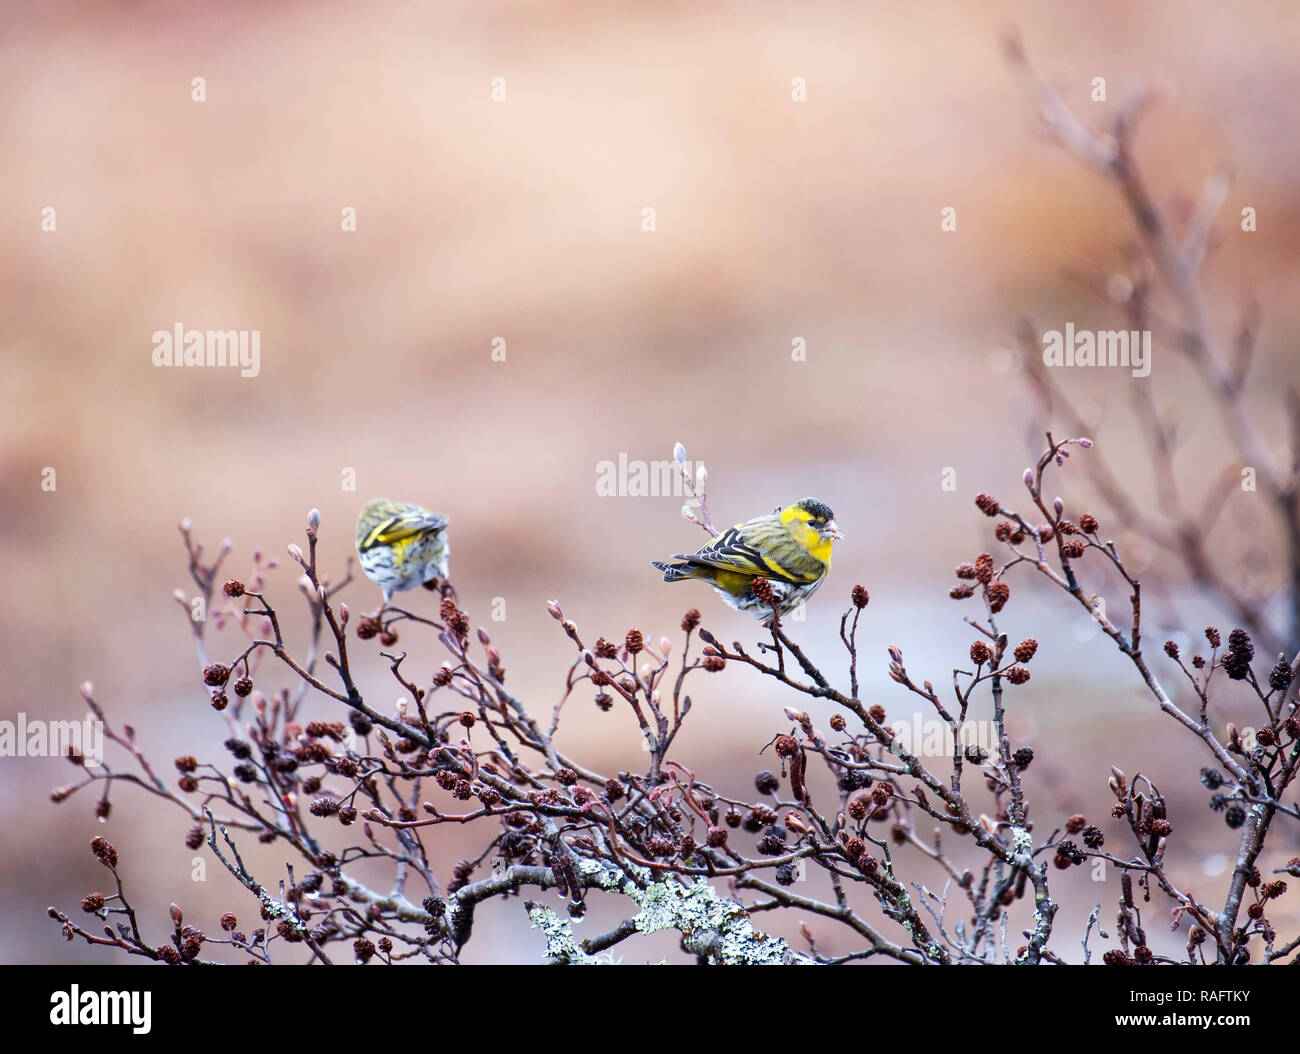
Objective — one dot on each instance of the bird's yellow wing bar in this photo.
(729, 552)
(399, 528)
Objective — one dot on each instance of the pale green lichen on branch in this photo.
(561, 946)
(714, 928)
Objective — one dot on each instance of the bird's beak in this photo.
(832, 530)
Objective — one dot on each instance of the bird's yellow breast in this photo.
(822, 549)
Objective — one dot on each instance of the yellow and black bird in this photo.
(790, 547)
(401, 545)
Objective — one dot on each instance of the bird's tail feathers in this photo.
(673, 572)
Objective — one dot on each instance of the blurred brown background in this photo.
(522, 220)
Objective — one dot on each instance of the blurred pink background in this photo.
(522, 220)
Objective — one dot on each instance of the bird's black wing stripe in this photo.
(767, 570)
(395, 528)
(729, 552)
(727, 541)
(372, 539)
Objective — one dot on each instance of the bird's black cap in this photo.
(819, 510)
